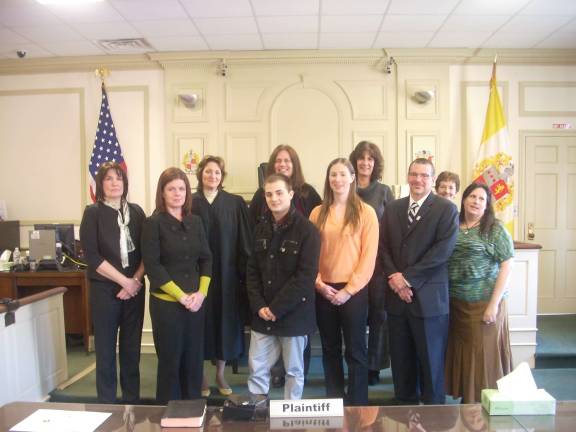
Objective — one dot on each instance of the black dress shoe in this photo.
(277, 381)
(373, 377)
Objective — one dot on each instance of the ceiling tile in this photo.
(421, 7)
(178, 43)
(458, 39)
(531, 23)
(548, 7)
(225, 26)
(149, 9)
(490, 7)
(570, 27)
(217, 8)
(85, 13)
(9, 37)
(488, 23)
(78, 48)
(416, 23)
(288, 24)
(285, 7)
(109, 30)
(515, 40)
(290, 41)
(559, 40)
(183, 27)
(356, 7)
(346, 40)
(402, 39)
(26, 15)
(351, 24)
(51, 33)
(235, 42)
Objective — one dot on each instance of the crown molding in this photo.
(76, 64)
(195, 59)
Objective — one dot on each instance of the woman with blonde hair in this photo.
(349, 235)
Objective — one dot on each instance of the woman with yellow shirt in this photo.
(349, 233)
(178, 262)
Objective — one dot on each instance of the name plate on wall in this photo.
(306, 408)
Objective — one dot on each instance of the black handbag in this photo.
(245, 407)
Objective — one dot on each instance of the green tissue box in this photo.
(536, 403)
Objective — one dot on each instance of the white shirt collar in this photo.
(419, 202)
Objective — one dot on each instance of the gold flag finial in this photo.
(102, 73)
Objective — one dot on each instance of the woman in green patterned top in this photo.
(478, 350)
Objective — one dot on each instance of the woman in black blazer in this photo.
(179, 265)
(110, 235)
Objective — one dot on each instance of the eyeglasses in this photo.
(423, 176)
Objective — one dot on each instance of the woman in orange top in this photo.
(349, 232)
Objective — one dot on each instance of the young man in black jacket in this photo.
(280, 282)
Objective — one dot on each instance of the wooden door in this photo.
(549, 211)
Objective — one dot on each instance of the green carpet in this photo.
(555, 371)
(84, 390)
(556, 340)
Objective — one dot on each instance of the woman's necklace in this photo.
(469, 227)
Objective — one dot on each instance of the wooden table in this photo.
(76, 310)
(454, 418)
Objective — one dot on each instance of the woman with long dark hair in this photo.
(284, 160)
(110, 234)
(179, 265)
(478, 352)
(349, 234)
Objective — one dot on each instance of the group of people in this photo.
(430, 283)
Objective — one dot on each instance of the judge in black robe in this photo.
(225, 218)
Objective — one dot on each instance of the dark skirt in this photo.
(478, 354)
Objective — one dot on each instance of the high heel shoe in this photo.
(225, 391)
(205, 392)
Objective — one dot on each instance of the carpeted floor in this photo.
(555, 370)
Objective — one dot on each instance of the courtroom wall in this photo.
(321, 103)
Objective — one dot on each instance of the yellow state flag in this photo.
(494, 165)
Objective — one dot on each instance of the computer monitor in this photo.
(64, 235)
(9, 235)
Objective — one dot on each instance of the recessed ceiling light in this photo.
(67, 2)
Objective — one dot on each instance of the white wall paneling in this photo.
(42, 170)
(547, 99)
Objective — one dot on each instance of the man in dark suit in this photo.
(417, 236)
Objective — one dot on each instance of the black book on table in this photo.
(184, 413)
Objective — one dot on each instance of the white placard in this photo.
(48, 420)
(306, 408)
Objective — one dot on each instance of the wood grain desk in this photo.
(77, 318)
(453, 418)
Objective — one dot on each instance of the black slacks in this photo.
(378, 345)
(349, 320)
(110, 315)
(417, 350)
(179, 342)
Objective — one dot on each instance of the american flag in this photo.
(106, 145)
